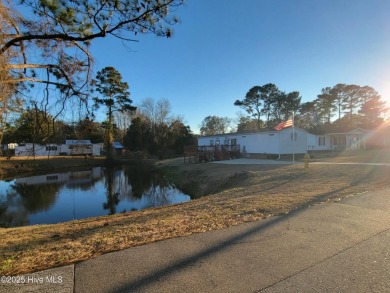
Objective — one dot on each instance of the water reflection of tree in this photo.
(23, 200)
(139, 177)
(137, 184)
(142, 179)
(112, 196)
(11, 214)
(158, 195)
(12, 218)
(134, 181)
(149, 183)
(37, 198)
(12, 211)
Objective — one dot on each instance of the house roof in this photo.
(77, 142)
(117, 145)
(354, 131)
(252, 132)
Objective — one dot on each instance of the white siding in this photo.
(258, 143)
(96, 149)
(271, 142)
(280, 142)
(64, 149)
(318, 142)
(290, 146)
(49, 150)
(40, 150)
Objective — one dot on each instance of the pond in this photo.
(61, 197)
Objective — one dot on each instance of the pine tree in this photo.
(115, 96)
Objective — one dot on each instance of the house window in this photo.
(211, 141)
(226, 141)
(52, 178)
(233, 141)
(339, 140)
(51, 148)
(321, 140)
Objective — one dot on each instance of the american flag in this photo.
(284, 124)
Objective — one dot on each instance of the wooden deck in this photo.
(207, 153)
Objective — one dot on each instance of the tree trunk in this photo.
(110, 136)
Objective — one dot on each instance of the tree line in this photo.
(342, 107)
(154, 131)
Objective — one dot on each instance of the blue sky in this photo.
(222, 48)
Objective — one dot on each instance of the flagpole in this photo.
(293, 136)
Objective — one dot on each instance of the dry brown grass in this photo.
(246, 193)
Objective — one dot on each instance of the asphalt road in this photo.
(332, 247)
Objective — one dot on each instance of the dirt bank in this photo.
(205, 179)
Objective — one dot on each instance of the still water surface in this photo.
(60, 197)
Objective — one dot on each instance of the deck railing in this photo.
(211, 152)
(213, 148)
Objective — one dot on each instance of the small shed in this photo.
(118, 148)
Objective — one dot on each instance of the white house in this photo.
(30, 149)
(71, 147)
(80, 147)
(286, 141)
(282, 142)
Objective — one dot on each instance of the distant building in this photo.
(82, 147)
(71, 147)
(118, 148)
(30, 149)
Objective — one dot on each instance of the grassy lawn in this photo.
(239, 194)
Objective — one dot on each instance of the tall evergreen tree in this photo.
(325, 105)
(338, 97)
(286, 104)
(115, 96)
(372, 111)
(273, 103)
(307, 116)
(269, 101)
(253, 103)
(352, 98)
